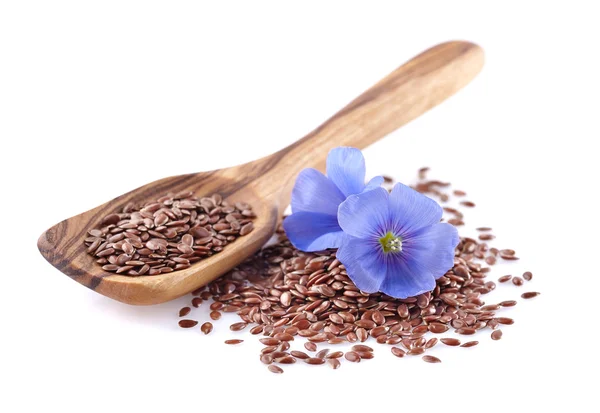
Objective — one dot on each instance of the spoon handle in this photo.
(407, 92)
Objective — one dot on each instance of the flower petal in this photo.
(411, 211)
(346, 169)
(434, 247)
(365, 215)
(363, 261)
(375, 182)
(310, 231)
(406, 277)
(313, 192)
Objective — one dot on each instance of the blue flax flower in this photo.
(395, 242)
(313, 225)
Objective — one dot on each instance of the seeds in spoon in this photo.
(167, 234)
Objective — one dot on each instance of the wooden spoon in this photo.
(266, 184)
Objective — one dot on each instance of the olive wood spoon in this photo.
(266, 184)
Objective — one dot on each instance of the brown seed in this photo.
(438, 328)
(270, 341)
(246, 229)
(466, 331)
(518, 281)
(334, 363)
(431, 342)
(365, 355)
(299, 354)
(286, 299)
(416, 351)
(467, 204)
(505, 320)
(504, 278)
(403, 311)
(486, 237)
(431, 359)
(529, 295)
(336, 318)
(470, 344)
(509, 303)
(196, 301)
(366, 324)
(238, 326)
(215, 315)
(310, 346)
(335, 355)
(206, 328)
(361, 334)
(284, 337)
(378, 318)
(496, 335)
(314, 360)
(234, 341)
(352, 356)
(378, 331)
(184, 311)
(484, 229)
(361, 347)
(285, 360)
(266, 358)
(187, 323)
(527, 275)
(275, 369)
(450, 341)
(398, 352)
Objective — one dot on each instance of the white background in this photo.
(97, 98)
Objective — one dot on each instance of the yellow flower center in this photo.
(391, 243)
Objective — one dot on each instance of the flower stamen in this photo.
(391, 243)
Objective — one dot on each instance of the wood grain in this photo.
(409, 91)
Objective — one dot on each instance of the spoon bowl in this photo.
(266, 184)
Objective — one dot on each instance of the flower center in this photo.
(391, 243)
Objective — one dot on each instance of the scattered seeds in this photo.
(283, 293)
